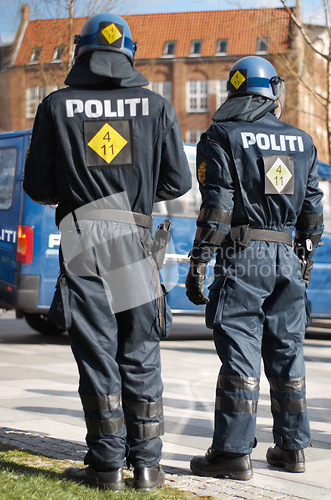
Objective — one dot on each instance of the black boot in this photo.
(111, 479)
(148, 478)
(291, 460)
(222, 464)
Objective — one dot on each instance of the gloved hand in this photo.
(195, 282)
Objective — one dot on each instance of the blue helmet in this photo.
(105, 32)
(255, 75)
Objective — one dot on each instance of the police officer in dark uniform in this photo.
(258, 180)
(104, 149)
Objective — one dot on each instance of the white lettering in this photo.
(273, 142)
(120, 107)
(145, 106)
(108, 112)
(8, 235)
(54, 240)
(74, 106)
(248, 139)
(291, 140)
(274, 146)
(93, 108)
(133, 105)
(263, 141)
(97, 105)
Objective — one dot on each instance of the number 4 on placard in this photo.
(110, 146)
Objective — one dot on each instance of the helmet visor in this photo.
(278, 89)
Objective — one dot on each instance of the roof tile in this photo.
(151, 31)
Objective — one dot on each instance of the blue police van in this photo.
(319, 290)
(30, 240)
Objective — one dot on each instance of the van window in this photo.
(8, 160)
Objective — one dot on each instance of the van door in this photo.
(11, 173)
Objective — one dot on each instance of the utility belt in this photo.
(242, 235)
(162, 233)
(122, 216)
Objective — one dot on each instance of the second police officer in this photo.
(104, 149)
(258, 180)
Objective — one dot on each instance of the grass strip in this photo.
(25, 475)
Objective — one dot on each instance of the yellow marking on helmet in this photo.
(111, 33)
(107, 143)
(237, 80)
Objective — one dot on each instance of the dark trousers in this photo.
(257, 311)
(117, 353)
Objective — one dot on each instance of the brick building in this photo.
(185, 56)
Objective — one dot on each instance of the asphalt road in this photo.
(40, 408)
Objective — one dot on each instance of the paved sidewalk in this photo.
(40, 410)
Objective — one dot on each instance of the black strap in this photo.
(275, 236)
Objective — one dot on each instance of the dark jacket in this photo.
(261, 172)
(88, 143)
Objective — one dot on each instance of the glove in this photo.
(195, 282)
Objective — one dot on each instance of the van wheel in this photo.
(41, 323)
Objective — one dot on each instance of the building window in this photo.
(193, 136)
(195, 49)
(262, 45)
(222, 47)
(162, 88)
(34, 96)
(35, 55)
(197, 96)
(169, 49)
(58, 54)
(221, 92)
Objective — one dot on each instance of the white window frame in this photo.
(221, 92)
(197, 93)
(192, 48)
(262, 41)
(58, 54)
(168, 44)
(162, 88)
(35, 55)
(34, 96)
(192, 136)
(220, 52)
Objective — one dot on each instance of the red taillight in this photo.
(24, 251)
